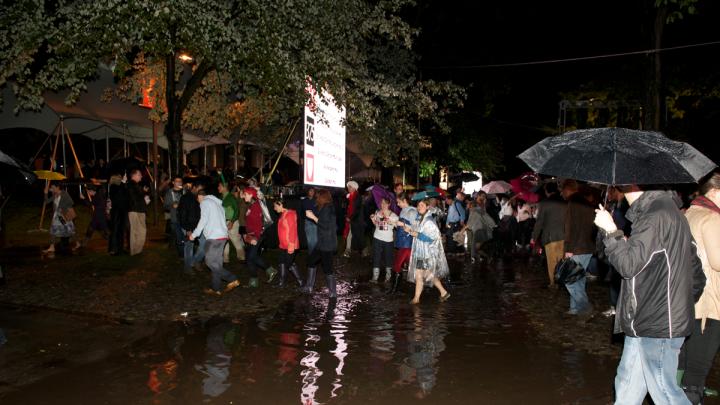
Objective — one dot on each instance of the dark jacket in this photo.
(327, 229)
(357, 224)
(188, 212)
(137, 197)
(579, 226)
(550, 223)
(119, 200)
(662, 273)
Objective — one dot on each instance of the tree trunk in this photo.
(653, 116)
(173, 127)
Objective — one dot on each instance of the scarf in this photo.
(705, 202)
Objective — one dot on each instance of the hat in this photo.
(353, 184)
(252, 191)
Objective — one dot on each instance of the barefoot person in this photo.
(427, 260)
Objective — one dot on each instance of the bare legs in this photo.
(420, 276)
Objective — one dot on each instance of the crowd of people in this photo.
(655, 259)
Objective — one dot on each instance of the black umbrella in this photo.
(13, 170)
(617, 156)
(465, 177)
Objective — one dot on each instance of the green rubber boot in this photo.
(271, 273)
(252, 283)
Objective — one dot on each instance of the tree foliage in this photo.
(251, 59)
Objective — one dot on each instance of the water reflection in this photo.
(218, 357)
(326, 334)
(425, 342)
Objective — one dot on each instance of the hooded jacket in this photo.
(662, 273)
(212, 222)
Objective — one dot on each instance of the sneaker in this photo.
(608, 313)
(346, 255)
(231, 286)
(210, 291)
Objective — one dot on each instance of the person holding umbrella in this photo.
(662, 279)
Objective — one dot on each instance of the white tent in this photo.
(94, 118)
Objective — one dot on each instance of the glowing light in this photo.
(185, 58)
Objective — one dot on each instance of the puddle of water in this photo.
(366, 348)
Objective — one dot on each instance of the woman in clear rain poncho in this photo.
(427, 260)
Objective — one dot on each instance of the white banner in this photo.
(324, 152)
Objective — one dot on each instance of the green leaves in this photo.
(261, 53)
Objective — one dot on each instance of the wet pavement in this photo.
(368, 348)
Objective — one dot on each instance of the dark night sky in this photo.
(461, 33)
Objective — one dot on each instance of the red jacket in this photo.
(254, 221)
(350, 211)
(287, 231)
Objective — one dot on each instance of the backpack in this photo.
(266, 218)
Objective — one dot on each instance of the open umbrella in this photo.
(524, 185)
(15, 171)
(465, 177)
(425, 194)
(49, 175)
(379, 192)
(497, 187)
(618, 156)
(435, 189)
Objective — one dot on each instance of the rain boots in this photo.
(375, 275)
(271, 273)
(388, 273)
(310, 282)
(283, 274)
(252, 283)
(331, 285)
(394, 284)
(294, 271)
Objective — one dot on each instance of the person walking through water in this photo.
(62, 225)
(253, 238)
(403, 240)
(288, 242)
(354, 232)
(99, 222)
(427, 259)
(384, 221)
(662, 279)
(212, 225)
(698, 352)
(326, 243)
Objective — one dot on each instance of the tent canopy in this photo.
(94, 118)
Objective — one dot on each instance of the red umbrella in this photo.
(523, 186)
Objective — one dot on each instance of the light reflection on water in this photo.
(365, 348)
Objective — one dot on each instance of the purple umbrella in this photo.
(379, 191)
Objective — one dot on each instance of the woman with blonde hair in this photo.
(698, 352)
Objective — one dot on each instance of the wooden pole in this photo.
(47, 182)
(155, 171)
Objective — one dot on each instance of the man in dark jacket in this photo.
(578, 241)
(188, 216)
(662, 279)
(549, 228)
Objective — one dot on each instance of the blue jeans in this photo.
(179, 238)
(198, 256)
(578, 296)
(311, 235)
(649, 365)
(214, 261)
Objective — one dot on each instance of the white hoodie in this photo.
(212, 222)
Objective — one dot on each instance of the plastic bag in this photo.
(568, 271)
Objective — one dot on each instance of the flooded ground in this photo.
(367, 348)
